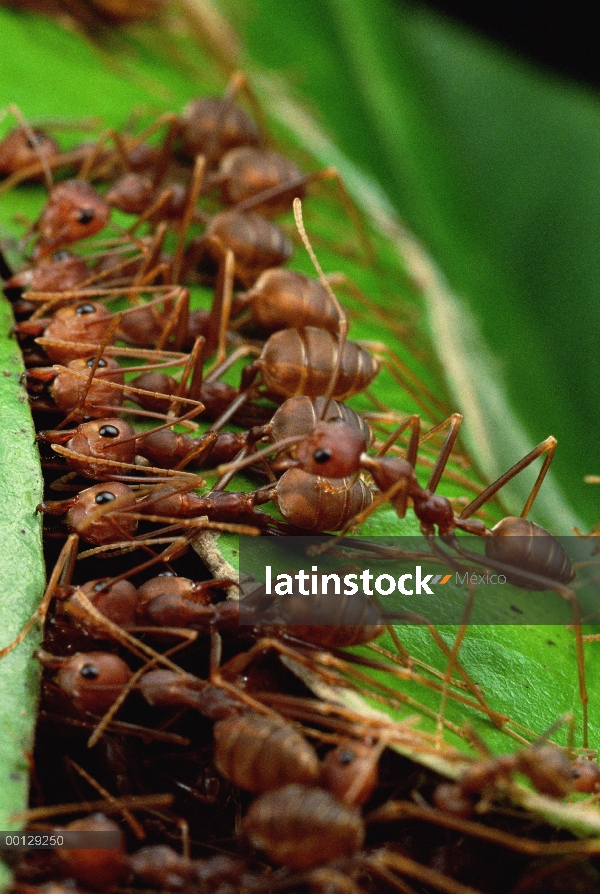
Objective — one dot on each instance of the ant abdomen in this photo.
(334, 636)
(341, 619)
(256, 242)
(301, 361)
(521, 543)
(246, 172)
(300, 415)
(300, 827)
(259, 754)
(281, 299)
(215, 125)
(320, 504)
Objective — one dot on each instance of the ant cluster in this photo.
(122, 371)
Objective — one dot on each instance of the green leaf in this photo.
(22, 581)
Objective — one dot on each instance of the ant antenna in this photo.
(343, 326)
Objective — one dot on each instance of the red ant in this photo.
(528, 554)
(88, 447)
(76, 329)
(23, 147)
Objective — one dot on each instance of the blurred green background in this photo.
(495, 165)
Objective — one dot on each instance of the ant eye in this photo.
(101, 362)
(89, 672)
(167, 574)
(85, 216)
(104, 497)
(61, 255)
(346, 757)
(322, 456)
(37, 140)
(99, 586)
(85, 309)
(108, 431)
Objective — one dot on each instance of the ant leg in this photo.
(152, 259)
(160, 202)
(129, 818)
(94, 153)
(352, 210)
(61, 572)
(131, 683)
(248, 389)
(221, 310)
(414, 423)
(454, 421)
(194, 367)
(126, 149)
(548, 447)
(238, 82)
(452, 662)
(423, 397)
(194, 191)
(177, 320)
(343, 322)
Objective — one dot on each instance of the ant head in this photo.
(116, 601)
(58, 272)
(96, 514)
(83, 322)
(25, 146)
(332, 451)
(112, 439)
(96, 868)
(350, 771)
(92, 680)
(74, 211)
(72, 385)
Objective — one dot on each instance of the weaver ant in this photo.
(529, 555)
(546, 766)
(30, 153)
